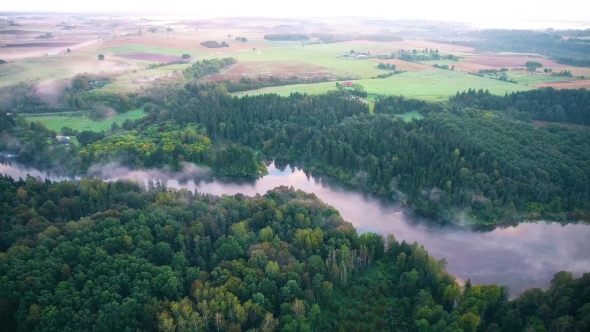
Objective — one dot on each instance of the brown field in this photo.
(405, 65)
(499, 61)
(145, 56)
(282, 69)
(539, 123)
(566, 84)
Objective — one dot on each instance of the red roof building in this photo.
(348, 83)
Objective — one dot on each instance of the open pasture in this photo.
(60, 67)
(80, 121)
(142, 78)
(434, 85)
(314, 56)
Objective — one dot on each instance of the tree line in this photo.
(548, 104)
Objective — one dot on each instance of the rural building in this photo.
(53, 53)
(361, 56)
(348, 83)
(63, 139)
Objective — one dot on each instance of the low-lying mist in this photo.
(114, 171)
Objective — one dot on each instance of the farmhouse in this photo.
(53, 53)
(63, 139)
(348, 83)
(361, 56)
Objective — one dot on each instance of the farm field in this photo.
(566, 84)
(525, 78)
(80, 121)
(434, 85)
(315, 56)
(133, 81)
(131, 48)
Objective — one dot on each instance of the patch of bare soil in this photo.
(565, 84)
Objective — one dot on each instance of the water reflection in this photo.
(520, 257)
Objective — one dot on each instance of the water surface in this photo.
(527, 255)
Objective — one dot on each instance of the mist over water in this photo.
(524, 256)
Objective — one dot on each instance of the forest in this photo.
(122, 256)
(479, 155)
(564, 106)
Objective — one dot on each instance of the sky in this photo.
(450, 10)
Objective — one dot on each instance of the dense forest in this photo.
(556, 44)
(118, 256)
(569, 106)
(492, 166)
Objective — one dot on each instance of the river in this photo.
(523, 256)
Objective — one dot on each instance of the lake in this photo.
(523, 256)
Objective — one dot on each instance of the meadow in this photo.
(432, 85)
(80, 120)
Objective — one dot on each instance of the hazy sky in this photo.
(464, 10)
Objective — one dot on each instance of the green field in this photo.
(525, 78)
(432, 85)
(325, 56)
(80, 121)
(126, 82)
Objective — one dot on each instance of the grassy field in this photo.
(525, 78)
(59, 67)
(432, 85)
(322, 56)
(79, 120)
(126, 83)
